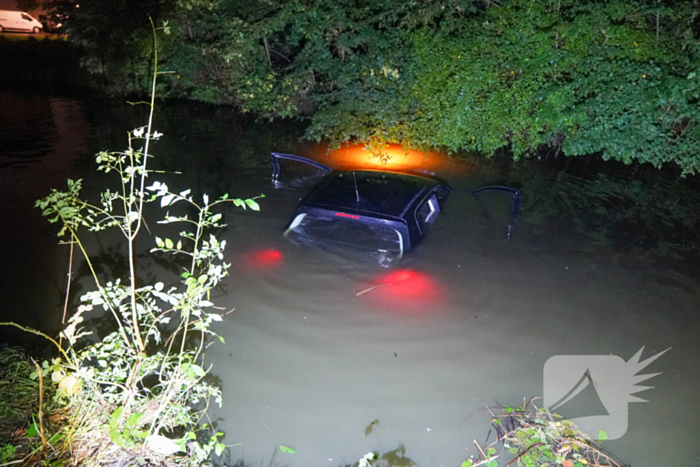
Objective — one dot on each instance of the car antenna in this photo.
(357, 193)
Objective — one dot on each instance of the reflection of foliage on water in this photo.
(209, 143)
(395, 458)
(635, 211)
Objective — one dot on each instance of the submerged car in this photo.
(380, 213)
(383, 213)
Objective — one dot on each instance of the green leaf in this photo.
(114, 419)
(133, 419)
(602, 436)
(467, 463)
(284, 448)
(116, 436)
(193, 372)
(168, 243)
(32, 431)
(252, 204)
(7, 453)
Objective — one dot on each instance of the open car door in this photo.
(514, 206)
(298, 170)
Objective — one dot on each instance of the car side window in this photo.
(428, 211)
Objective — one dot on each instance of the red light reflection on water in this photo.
(406, 291)
(262, 259)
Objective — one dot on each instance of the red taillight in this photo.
(342, 214)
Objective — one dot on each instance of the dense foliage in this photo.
(616, 76)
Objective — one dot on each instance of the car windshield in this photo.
(380, 242)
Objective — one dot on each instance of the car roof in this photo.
(369, 192)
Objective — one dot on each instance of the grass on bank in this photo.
(13, 37)
(33, 417)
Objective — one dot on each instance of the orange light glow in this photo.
(407, 291)
(393, 157)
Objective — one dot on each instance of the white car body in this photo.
(19, 21)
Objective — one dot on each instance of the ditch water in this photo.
(602, 262)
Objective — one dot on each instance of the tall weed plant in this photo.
(140, 393)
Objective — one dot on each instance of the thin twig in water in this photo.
(367, 290)
(523, 453)
(480, 450)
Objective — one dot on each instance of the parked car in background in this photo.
(18, 21)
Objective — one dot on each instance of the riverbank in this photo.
(40, 425)
(42, 60)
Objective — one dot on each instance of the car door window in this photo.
(290, 170)
(428, 212)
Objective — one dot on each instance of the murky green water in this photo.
(602, 261)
